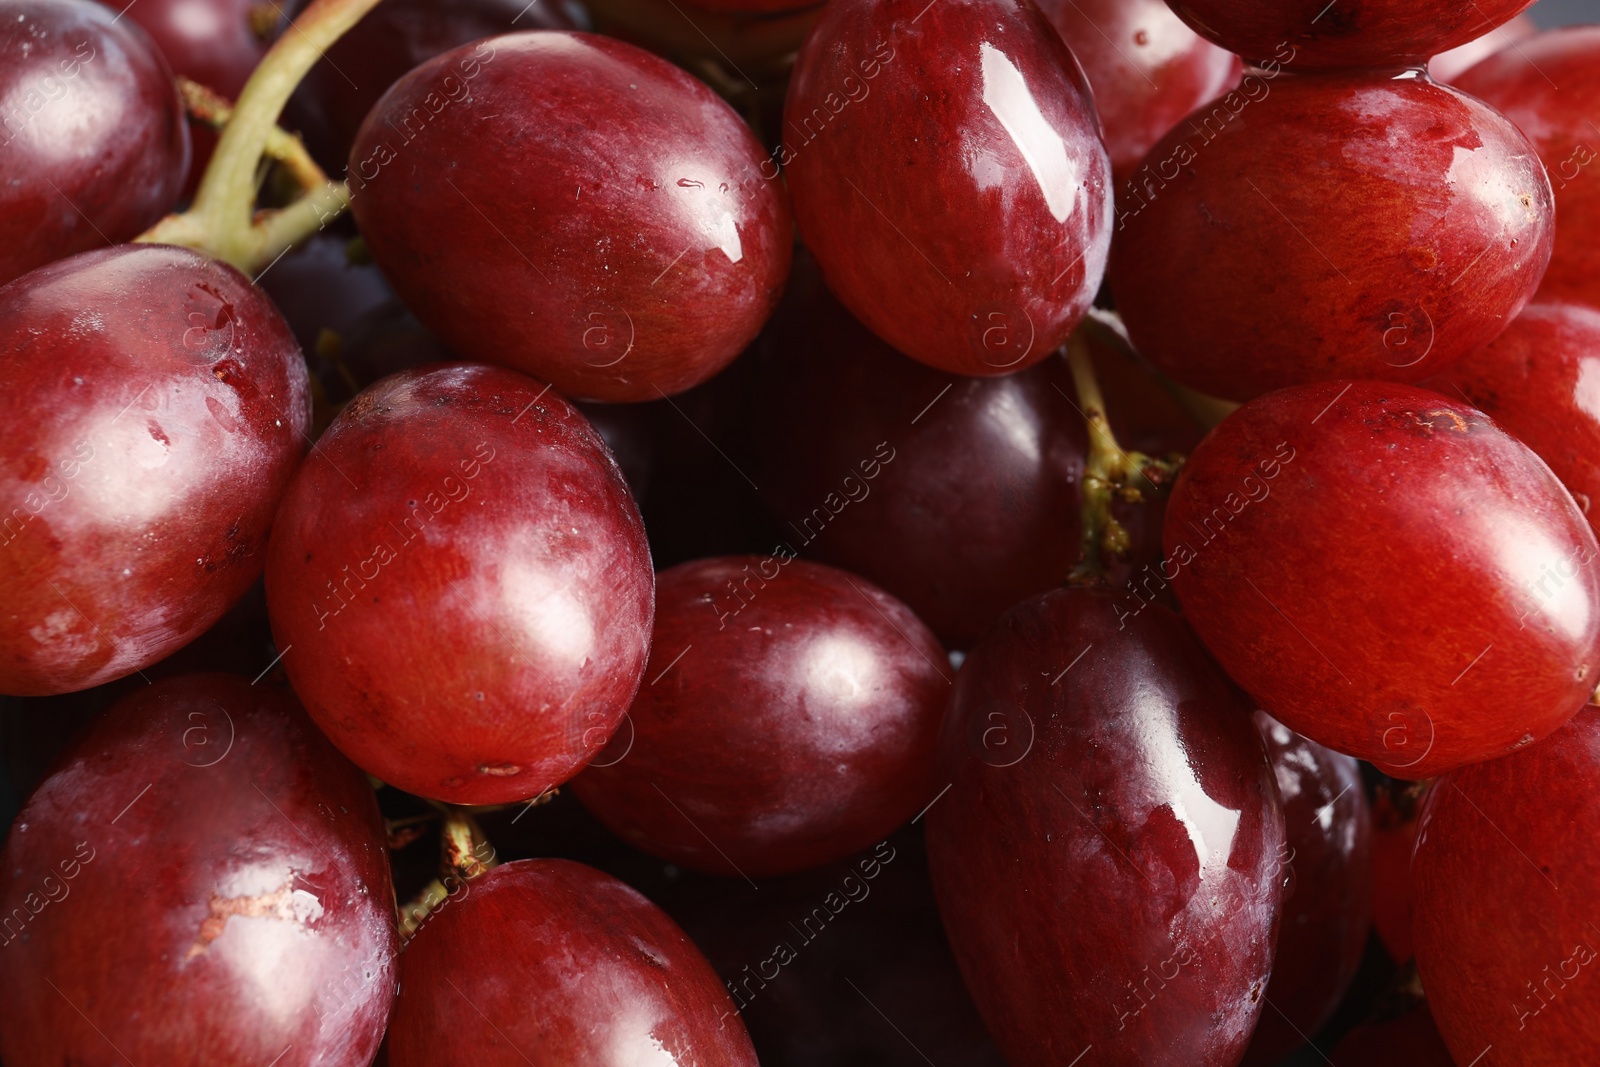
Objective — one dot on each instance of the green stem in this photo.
(1108, 469)
(223, 220)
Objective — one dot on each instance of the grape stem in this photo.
(1110, 473)
(466, 854)
(214, 109)
(223, 220)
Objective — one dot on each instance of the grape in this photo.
(1389, 573)
(93, 142)
(575, 208)
(788, 719)
(1336, 226)
(1504, 895)
(156, 410)
(549, 961)
(202, 880)
(461, 586)
(1108, 858)
(947, 172)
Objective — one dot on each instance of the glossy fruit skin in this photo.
(1537, 381)
(1448, 66)
(1112, 840)
(1359, 33)
(1327, 901)
(213, 42)
(626, 262)
(155, 411)
(394, 38)
(1317, 525)
(218, 891)
(964, 245)
(1147, 68)
(958, 495)
(1557, 121)
(549, 961)
(1481, 858)
(464, 578)
(73, 75)
(789, 717)
(1298, 284)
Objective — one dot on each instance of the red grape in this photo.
(549, 961)
(93, 142)
(156, 410)
(1306, 229)
(1389, 573)
(1354, 33)
(1108, 859)
(214, 42)
(1147, 69)
(1538, 381)
(1547, 86)
(576, 208)
(202, 880)
(461, 586)
(947, 172)
(788, 718)
(1505, 885)
(1327, 904)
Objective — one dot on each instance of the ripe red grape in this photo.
(1389, 573)
(460, 583)
(1537, 380)
(202, 880)
(1327, 901)
(549, 961)
(1355, 33)
(576, 208)
(1505, 887)
(1108, 859)
(1337, 226)
(947, 172)
(1547, 86)
(788, 718)
(93, 142)
(155, 412)
(1147, 69)
(214, 42)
